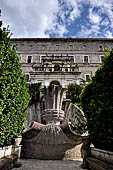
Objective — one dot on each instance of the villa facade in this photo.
(60, 60)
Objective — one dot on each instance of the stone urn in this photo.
(18, 140)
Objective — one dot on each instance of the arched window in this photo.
(55, 82)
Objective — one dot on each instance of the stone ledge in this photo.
(7, 163)
(103, 155)
(95, 164)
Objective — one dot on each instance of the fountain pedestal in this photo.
(53, 116)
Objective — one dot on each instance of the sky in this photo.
(58, 18)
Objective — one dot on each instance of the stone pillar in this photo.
(52, 67)
(85, 152)
(53, 97)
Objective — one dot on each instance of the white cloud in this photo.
(100, 20)
(94, 17)
(75, 9)
(105, 7)
(102, 3)
(29, 18)
(105, 22)
(41, 18)
(86, 32)
(109, 34)
(61, 30)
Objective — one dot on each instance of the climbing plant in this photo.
(97, 104)
(14, 96)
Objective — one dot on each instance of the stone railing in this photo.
(97, 159)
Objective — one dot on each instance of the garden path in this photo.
(33, 164)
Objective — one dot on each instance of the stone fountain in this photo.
(53, 97)
(53, 137)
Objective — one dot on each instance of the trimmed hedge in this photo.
(14, 96)
(97, 104)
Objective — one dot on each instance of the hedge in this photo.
(14, 96)
(97, 103)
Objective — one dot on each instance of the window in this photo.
(101, 47)
(87, 77)
(86, 59)
(57, 47)
(57, 57)
(72, 59)
(27, 77)
(66, 69)
(20, 58)
(42, 59)
(22, 44)
(42, 67)
(71, 47)
(73, 68)
(56, 68)
(29, 59)
(101, 58)
(84, 46)
(43, 47)
(13, 46)
(37, 68)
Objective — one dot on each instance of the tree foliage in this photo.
(73, 93)
(97, 104)
(14, 96)
(35, 92)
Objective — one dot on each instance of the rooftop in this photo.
(62, 39)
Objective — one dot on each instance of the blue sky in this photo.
(58, 18)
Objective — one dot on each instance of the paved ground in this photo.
(33, 164)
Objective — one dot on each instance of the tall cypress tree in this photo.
(14, 96)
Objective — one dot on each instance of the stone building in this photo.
(60, 60)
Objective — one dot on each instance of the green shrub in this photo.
(14, 96)
(97, 104)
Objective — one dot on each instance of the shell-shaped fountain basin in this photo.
(49, 141)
